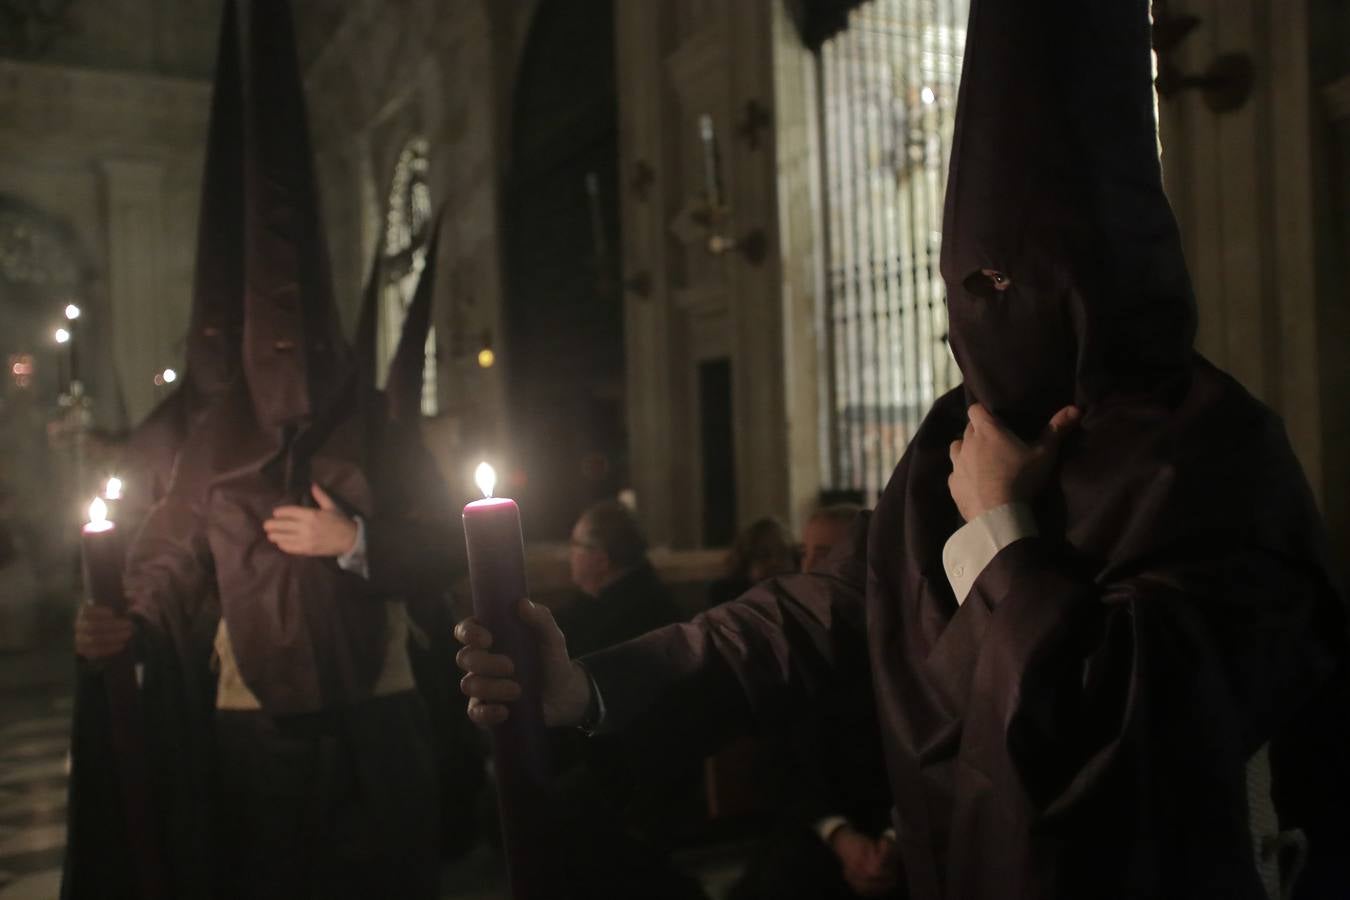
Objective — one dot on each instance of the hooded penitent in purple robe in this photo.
(216, 321)
(1081, 725)
(177, 695)
(308, 639)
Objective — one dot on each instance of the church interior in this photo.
(686, 259)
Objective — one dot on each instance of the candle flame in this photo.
(486, 478)
(113, 489)
(98, 512)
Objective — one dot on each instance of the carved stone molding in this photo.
(105, 108)
(697, 68)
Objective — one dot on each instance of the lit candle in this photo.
(712, 183)
(103, 557)
(103, 560)
(112, 494)
(496, 556)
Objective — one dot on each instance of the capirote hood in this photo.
(296, 360)
(1055, 184)
(216, 323)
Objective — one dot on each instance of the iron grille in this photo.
(888, 88)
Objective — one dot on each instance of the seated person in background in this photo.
(833, 841)
(827, 528)
(761, 551)
(622, 595)
(625, 790)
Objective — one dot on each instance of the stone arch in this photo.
(406, 227)
(563, 314)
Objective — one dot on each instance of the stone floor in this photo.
(35, 708)
(34, 728)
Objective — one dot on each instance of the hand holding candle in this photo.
(101, 629)
(102, 626)
(565, 691)
(496, 556)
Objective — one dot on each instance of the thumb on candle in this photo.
(552, 644)
(566, 688)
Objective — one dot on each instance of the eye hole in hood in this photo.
(988, 283)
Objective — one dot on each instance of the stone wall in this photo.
(677, 62)
(116, 157)
(1262, 199)
(161, 37)
(378, 73)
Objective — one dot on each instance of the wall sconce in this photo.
(1226, 84)
(714, 214)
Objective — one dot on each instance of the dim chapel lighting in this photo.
(486, 478)
(486, 358)
(61, 335)
(113, 489)
(170, 376)
(72, 312)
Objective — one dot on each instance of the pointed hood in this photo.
(1056, 186)
(216, 321)
(213, 340)
(296, 361)
(364, 343)
(403, 389)
(305, 635)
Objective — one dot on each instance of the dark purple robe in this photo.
(1079, 727)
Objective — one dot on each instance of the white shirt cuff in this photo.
(590, 729)
(975, 544)
(354, 560)
(827, 826)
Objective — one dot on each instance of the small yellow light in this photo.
(486, 358)
(113, 489)
(61, 335)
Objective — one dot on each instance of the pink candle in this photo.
(496, 556)
(103, 559)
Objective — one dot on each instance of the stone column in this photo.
(1334, 319)
(133, 204)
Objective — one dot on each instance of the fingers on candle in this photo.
(487, 713)
(491, 690)
(469, 632)
(480, 662)
(100, 632)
